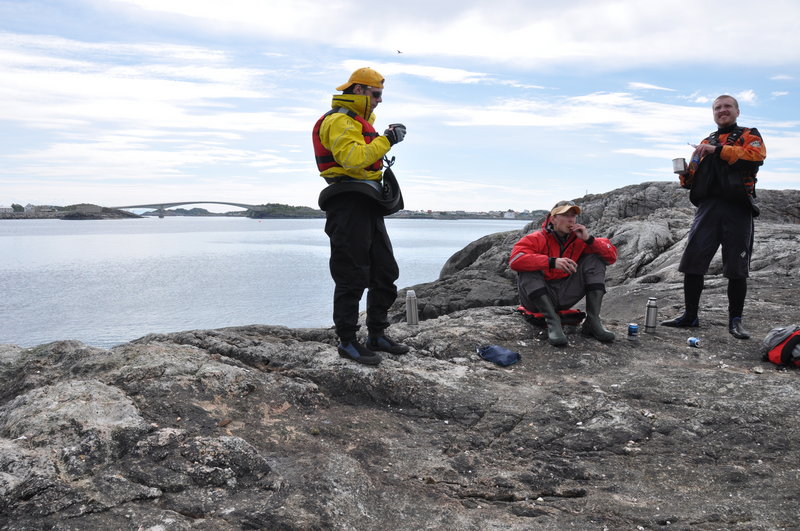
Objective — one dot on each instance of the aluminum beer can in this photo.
(693, 342)
(633, 332)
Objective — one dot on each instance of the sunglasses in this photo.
(372, 91)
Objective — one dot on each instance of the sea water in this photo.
(106, 282)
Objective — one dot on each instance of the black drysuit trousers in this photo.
(361, 258)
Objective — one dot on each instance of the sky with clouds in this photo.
(509, 104)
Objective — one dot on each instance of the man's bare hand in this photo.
(580, 231)
(704, 149)
(566, 264)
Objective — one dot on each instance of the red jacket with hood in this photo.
(534, 251)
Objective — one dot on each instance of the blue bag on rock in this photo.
(499, 355)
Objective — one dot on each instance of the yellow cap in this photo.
(364, 76)
(562, 207)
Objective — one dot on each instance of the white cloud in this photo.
(781, 145)
(746, 96)
(230, 107)
(602, 35)
(633, 85)
(433, 73)
(616, 111)
(782, 178)
(45, 47)
(156, 116)
(430, 192)
(44, 87)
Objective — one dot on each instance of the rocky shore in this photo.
(265, 427)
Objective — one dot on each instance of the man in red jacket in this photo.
(558, 265)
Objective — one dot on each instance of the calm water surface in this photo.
(111, 281)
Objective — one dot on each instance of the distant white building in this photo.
(5, 209)
(509, 215)
(39, 208)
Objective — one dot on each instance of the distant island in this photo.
(87, 211)
(269, 210)
(81, 211)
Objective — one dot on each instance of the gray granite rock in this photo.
(266, 427)
(647, 222)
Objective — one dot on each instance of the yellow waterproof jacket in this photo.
(342, 136)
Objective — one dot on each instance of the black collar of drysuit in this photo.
(728, 129)
(562, 240)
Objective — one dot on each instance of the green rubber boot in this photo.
(592, 326)
(555, 334)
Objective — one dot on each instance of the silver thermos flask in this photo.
(412, 315)
(651, 316)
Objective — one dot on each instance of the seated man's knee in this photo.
(592, 260)
(531, 280)
(593, 269)
(530, 284)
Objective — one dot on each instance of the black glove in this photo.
(395, 133)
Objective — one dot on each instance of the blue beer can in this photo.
(693, 342)
(633, 332)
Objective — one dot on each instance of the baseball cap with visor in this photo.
(364, 76)
(562, 207)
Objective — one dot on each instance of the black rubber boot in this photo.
(358, 352)
(593, 326)
(555, 334)
(685, 320)
(736, 329)
(384, 343)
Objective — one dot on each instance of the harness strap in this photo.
(327, 159)
(351, 114)
(345, 179)
(750, 180)
(343, 110)
(733, 136)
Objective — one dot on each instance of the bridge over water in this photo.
(162, 206)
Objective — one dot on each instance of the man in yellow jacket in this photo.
(350, 152)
